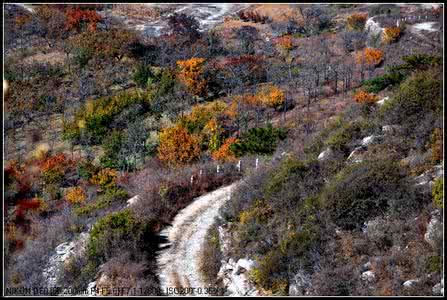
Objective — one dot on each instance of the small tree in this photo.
(191, 75)
(365, 98)
(177, 147)
(357, 21)
(391, 34)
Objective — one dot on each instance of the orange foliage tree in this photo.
(77, 19)
(365, 98)
(178, 147)
(285, 42)
(191, 75)
(224, 153)
(373, 56)
(368, 58)
(391, 34)
(357, 21)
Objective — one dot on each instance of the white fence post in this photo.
(217, 168)
(257, 161)
(239, 166)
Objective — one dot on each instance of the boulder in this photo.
(235, 277)
(326, 154)
(366, 266)
(357, 154)
(438, 289)
(246, 264)
(299, 284)
(383, 100)
(370, 140)
(132, 201)
(410, 283)
(368, 276)
(91, 289)
(434, 229)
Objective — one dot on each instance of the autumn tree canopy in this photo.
(191, 75)
(178, 147)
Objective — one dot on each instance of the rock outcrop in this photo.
(434, 229)
(234, 275)
(63, 253)
(299, 284)
(235, 278)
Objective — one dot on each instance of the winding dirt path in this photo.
(178, 264)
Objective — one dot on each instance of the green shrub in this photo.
(117, 232)
(259, 141)
(438, 193)
(365, 190)
(288, 169)
(433, 264)
(93, 121)
(166, 83)
(268, 271)
(82, 56)
(339, 139)
(142, 74)
(110, 197)
(112, 146)
(418, 62)
(379, 83)
(416, 105)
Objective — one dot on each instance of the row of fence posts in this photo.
(411, 19)
(238, 166)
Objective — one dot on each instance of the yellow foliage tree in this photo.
(177, 147)
(75, 195)
(191, 75)
(106, 178)
(212, 130)
(201, 114)
(357, 21)
(271, 96)
(391, 34)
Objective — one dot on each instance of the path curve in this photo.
(178, 264)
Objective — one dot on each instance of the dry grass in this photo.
(53, 57)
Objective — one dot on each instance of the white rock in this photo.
(355, 155)
(383, 100)
(367, 266)
(299, 284)
(326, 154)
(91, 289)
(438, 289)
(133, 200)
(410, 283)
(247, 264)
(434, 229)
(368, 276)
(369, 140)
